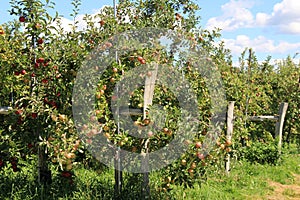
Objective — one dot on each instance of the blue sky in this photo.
(270, 27)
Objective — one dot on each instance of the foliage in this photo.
(39, 62)
(262, 153)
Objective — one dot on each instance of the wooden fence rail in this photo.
(5, 110)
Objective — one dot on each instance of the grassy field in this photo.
(245, 181)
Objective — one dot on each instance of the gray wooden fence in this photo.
(278, 127)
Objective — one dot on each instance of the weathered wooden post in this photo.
(118, 167)
(148, 97)
(279, 124)
(278, 129)
(229, 131)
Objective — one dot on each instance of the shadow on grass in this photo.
(21, 186)
(86, 184)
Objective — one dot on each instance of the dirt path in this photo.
(285, 192)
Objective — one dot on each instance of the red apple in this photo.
(102, 22)
(149, 74)
(93, 118)
(140, 58)
(45, 81)
(114, 98)
(107, 135)
(34, 115)
(98, 96)
(23, 71)
(62, 117)
(178, 16)
(46, 100)
(53, 104)
(40, 60)
(40, 41)
(200, 156)
(108, 45)
(19, 112)
(29, 145)
(84, 127)
(146, 121)
(193, 165)
(66, 174)
(169, 133)
(89, 141)
(101, 92)
(94, 131)
(58, 76)
(46, 64)
(22, 19)
(98, 112)
(150, 134)
(222, 146)
(143, 61)
(36, 65)
(191, 171)
(198, 145)
(106, 128)
(70, 155)
(228, 142)
(166, 130)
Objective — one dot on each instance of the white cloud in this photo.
(285, 17)
(67, 24)
(236, 14)
(262, 19)
(260, 44)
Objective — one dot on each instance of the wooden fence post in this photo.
(279, 124)
(148, 97)
(229, 132)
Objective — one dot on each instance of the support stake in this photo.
(229, 132)
(279, 124)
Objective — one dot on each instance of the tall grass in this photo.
(245, 181)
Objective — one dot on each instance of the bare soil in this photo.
(285, 192)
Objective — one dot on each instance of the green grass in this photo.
(245, 181)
